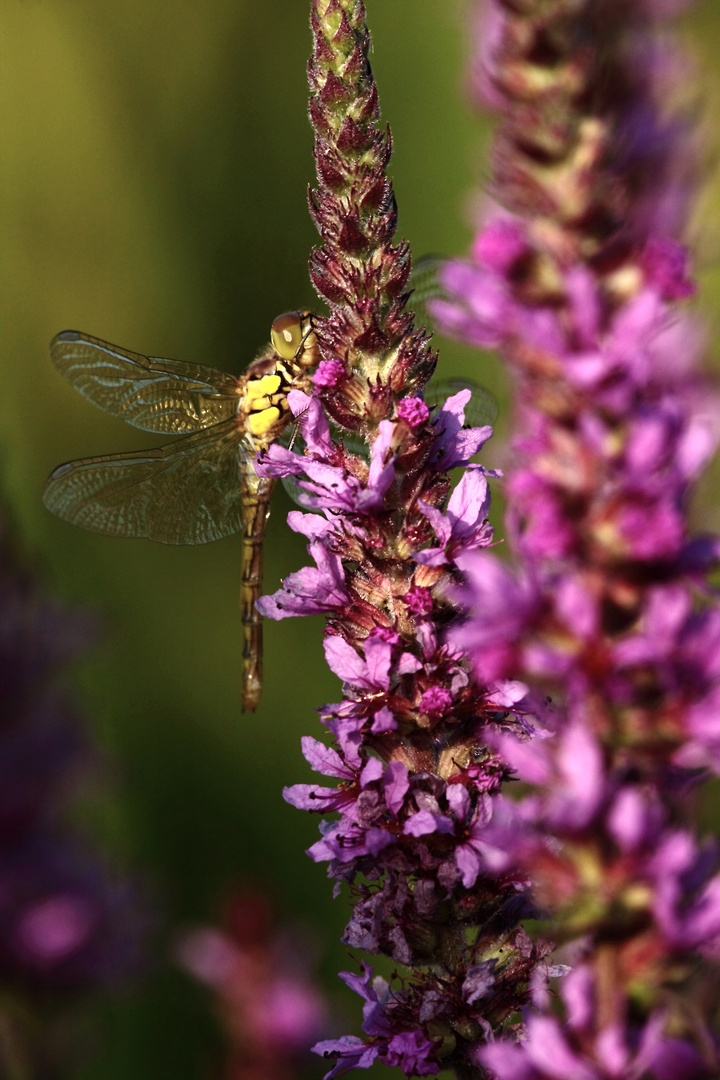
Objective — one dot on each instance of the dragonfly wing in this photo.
(188, 492)
(146, 391)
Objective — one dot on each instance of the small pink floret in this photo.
(413, 411)
(419, 600)
(437, 700)
(330, 373)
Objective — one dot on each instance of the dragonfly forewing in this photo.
(148, 392)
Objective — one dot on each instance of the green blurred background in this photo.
(154, 161)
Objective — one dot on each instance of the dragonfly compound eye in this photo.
(287, 334)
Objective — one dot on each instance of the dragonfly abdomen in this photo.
(256, 491)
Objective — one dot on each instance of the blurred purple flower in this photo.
(581, 1050)
(608, 619)
(270, 1006)
(69, 921)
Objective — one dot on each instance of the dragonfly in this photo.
(203, 485)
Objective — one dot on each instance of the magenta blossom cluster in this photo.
(607, 616)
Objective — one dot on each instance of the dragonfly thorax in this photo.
(264, 411)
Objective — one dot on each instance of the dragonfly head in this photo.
(293, 338)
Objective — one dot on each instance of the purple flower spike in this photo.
(411, 755)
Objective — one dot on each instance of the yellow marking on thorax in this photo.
(263, 387)
(260, 422)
